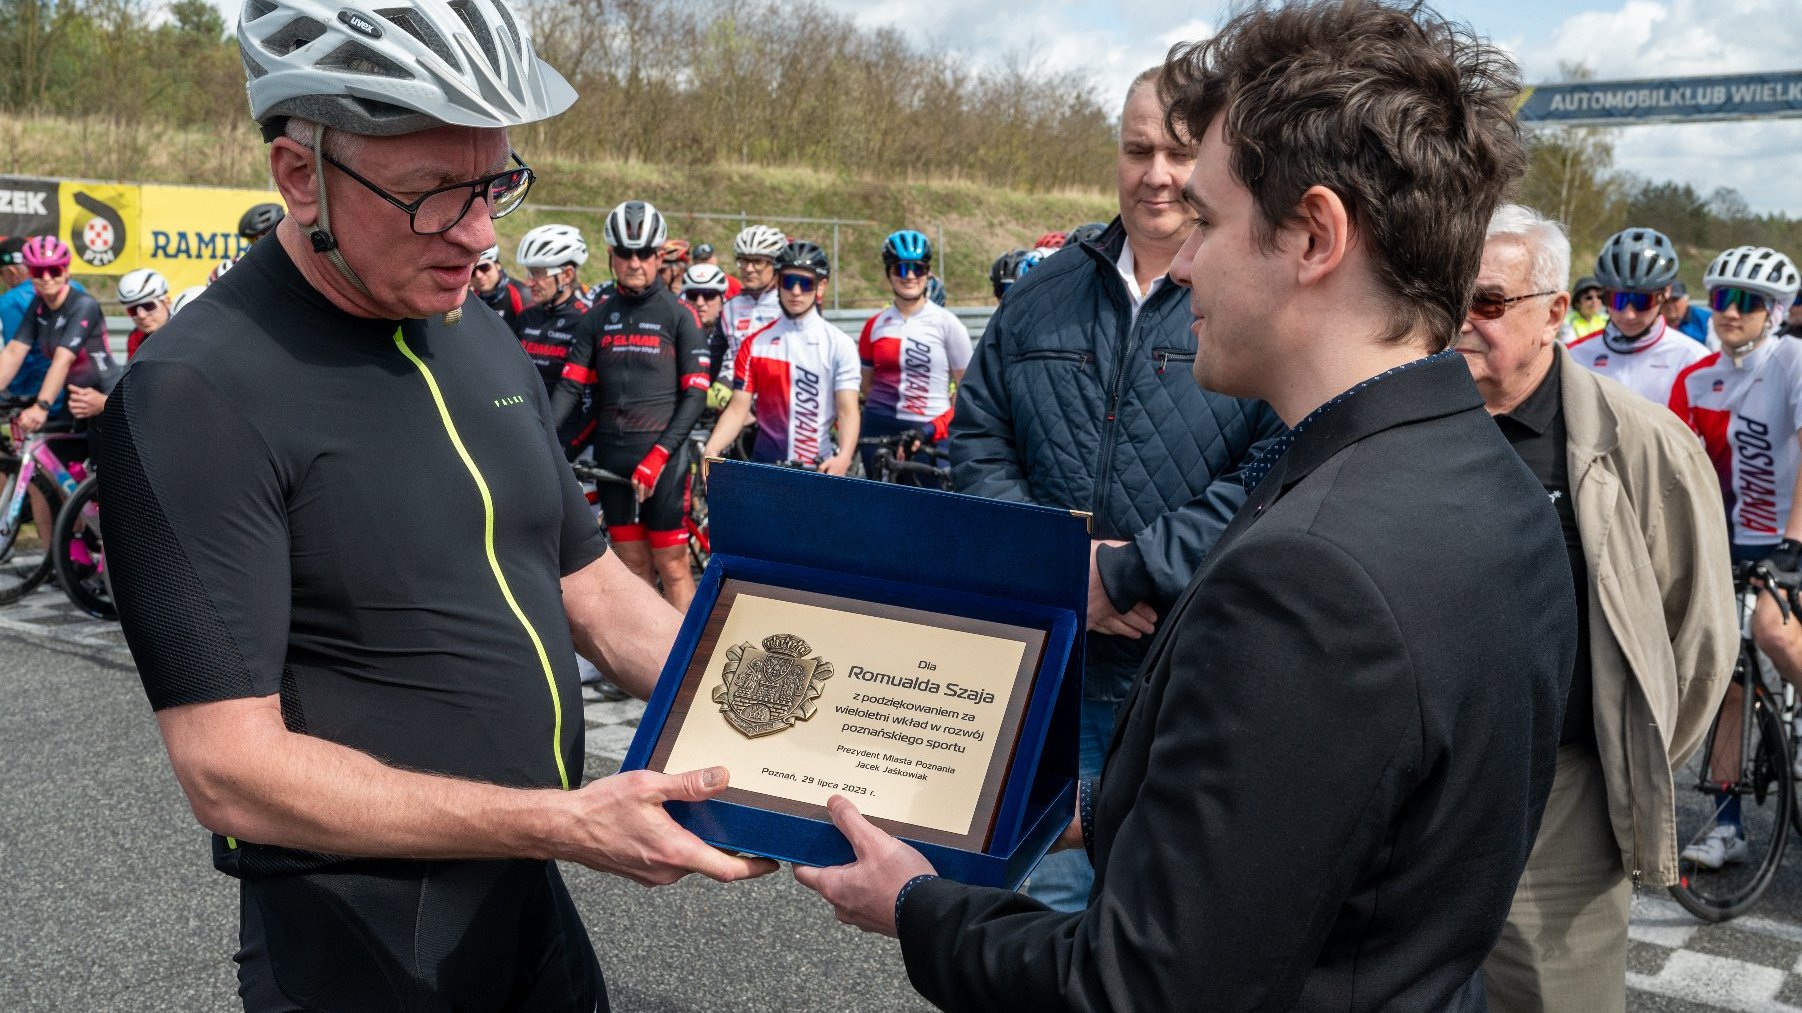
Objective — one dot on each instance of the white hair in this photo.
(1548, 248)
(338, 144)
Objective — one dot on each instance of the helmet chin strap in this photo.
(320, 232)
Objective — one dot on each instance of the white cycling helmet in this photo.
(704, 278)
(396, 69)
(219, 270)
(1758, 269)
(187, 296)
(760, 241)
(491, 255)
(634, 225)
(141, 286)
(552, 246)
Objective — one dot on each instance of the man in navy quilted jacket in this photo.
(1080, 397)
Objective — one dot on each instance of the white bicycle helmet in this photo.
(491, 255)
(552, 246)
(397, 69)
(1758, 269)
(141, 286)
(704, 278)
(219, 270)
(634, 225)
(760, 241)
(187, 296)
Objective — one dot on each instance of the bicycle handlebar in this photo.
(588, 471)
(1788, 603)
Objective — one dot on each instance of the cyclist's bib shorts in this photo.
(391, 936)
(659, 518)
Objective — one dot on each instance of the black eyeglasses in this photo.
(439, 210)
(1491, 307)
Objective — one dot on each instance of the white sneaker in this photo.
(1722, 845)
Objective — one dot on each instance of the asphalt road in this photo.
(112, 902)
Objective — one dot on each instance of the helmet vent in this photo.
(404, 19)
(479, 29)
(293, 35)
(254, 9)
(512, 27)
(357, 58)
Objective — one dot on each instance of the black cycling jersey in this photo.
(646, 360)
(367, 517)
(546, 333)
(509, 298)
(78, 326)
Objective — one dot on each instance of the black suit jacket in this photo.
(1325, 784)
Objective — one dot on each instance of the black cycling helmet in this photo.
(704, 252)
(1637, 260)
(802, 255)
(1087, 232)
(259, 221)
(12, 251)
(1006, 269)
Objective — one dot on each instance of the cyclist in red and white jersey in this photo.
(756, 305)
(800, 372)
(145, 295)
(1635, 269)
(912, 352)
(1745, 401)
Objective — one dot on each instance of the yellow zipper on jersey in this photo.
(494, 563)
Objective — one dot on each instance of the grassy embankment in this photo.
(974, 222)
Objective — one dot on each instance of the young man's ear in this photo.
(1325, 230)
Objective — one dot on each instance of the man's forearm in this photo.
(620, 623)
(297, 791)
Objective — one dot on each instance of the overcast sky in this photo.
(1616, 39)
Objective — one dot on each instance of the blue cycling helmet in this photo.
(935, 289)
(906, 245)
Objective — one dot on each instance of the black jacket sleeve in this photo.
(1264, 667)
(578, 371)
(1157, 563)
(197, 543)
(984, 460)
(693, 378)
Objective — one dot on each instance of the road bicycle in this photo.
(905, 458)
(79, 557)
(40, 472)
(1746, 755)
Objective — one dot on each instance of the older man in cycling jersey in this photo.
(1655, 625)
(354, 612)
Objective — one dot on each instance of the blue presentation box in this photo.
(899, 547)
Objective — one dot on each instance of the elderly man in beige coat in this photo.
(1641, 511)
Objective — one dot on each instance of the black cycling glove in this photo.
(1787, 556)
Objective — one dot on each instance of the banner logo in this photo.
(98, 239)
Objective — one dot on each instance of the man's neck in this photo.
(324, 278)
(1313, 380)
(1151, 258)
(1521, 387)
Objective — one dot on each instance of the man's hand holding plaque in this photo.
(864, 893)
(618, 825)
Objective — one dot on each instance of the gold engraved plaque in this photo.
(911, 714)
(762, 692)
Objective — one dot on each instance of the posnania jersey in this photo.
(743, 314)
(911, 360)
(1747, 414)
(1648, 366)
(793, 368)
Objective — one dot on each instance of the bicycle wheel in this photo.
(1766, 796)
(77, 554)
(695, 516)
(25, 550)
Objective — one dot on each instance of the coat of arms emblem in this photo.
(766, 691)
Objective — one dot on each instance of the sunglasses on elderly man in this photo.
(1491, 306)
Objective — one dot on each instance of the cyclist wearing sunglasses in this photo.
(1638, 349)
(642, 357)
(914, 352)
(1745, 401)
(755, 306)
(16, 295)
(145, 295)
(502, 294)
(65, 326)
(800, 375)
(353, 568)
(547, 328)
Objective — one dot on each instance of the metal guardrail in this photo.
(976, 318)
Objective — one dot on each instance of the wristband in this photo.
(45, 405)
(651, 467)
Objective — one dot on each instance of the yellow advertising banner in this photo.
(185, 231)
(100, 222)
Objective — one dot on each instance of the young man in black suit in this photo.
(1331, 769)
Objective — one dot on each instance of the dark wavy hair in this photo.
(1404, 115)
